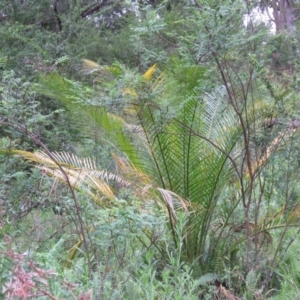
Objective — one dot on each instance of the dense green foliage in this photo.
(149, 150)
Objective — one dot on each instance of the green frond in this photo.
(66, 91)
(114, 127)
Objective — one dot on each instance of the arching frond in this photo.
(81, 174)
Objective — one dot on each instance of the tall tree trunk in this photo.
(289, 15)
(283, 15)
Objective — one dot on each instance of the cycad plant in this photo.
(183, 143)
(175, 138)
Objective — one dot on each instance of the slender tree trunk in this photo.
(58, 20)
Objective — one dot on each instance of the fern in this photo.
(207, 279)
(251, 280)
(96, 286)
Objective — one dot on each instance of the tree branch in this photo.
(95, 7)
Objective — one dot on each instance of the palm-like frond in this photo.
(81, 174)
(106, 72)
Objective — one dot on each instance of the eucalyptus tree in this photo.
(283, 13)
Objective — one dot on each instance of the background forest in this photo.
(149, 149)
